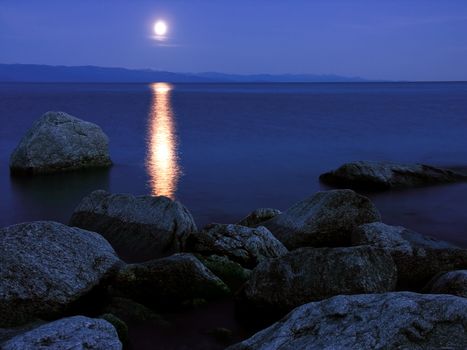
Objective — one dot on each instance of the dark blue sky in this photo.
(393, 39)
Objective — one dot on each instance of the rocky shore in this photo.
(324, 273)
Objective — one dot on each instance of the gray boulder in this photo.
(139, 227)
(60, 142)
(45, 266)
(387, 175)
(452, 282)
(245, 245)
(308, 274)
(324, 219)
(373, 321)
(168, 281)
(76, 332)
(418, 257)
(258, 216)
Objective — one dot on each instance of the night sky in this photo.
(396, 40)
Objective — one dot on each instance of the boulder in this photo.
(45, 266)
(452, 282)
(324, 219)
(230, 272)
(387, 175)
(139, 227)
(76, 332)
(418, 258)
(258, 216)
(245, 245)
(401, 320)
(169, 281)
(308, 274)
(60, 142)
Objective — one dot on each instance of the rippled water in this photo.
(225, 149)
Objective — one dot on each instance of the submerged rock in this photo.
(324, 219)
(308, 274)
(418, 257)
(452, 282)
(387, 175)
(374, 321)
(60, 142)
(139, 227)
(169, 281)
(258, 216)
(45, 266)
(76, 332)
(245, 245)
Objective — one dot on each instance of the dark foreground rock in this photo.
(387, 175)
(76, 332)
(169, 281)
(324, 219)
(60, 142)
(418, 257)
(245, 245)
(139, 227)
(45, 266)
(308, 274)
(452, 282)
(258, 216)
(373, 321)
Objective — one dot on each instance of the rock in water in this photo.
(453, 282)
(76, 332)
(45, 266)
(169, 281)
(324, 219)
(60, 142)
(140, 228)
(258, 216)
(245, 245)
(386, 175)
(365, 322)
(418, 257)
(308, 274)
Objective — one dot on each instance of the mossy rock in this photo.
(232, 273)
(133, 312)
(120, 326)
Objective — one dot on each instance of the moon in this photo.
(160, 28)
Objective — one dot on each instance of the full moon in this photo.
(160, 28)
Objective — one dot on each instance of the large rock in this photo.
(387, 175)
(418, 257)
(45, 266)
(76, 332)
(60, 142)
(308, 274)
(258, 216)
(374, 321)
(324, 219)
(169, 281)
(139, 227)
(452, 282)
(245, 245)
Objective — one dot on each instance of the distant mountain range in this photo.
(93, 74)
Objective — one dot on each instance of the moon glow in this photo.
(160, 28)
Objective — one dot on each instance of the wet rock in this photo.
(132, 312)
(452, 282)
(373, 321)
(169, 281)
(308, 274)
(139, 227)
(387, 175)
(119, 325)
(324, 219)
(76, 332)
(418, 257)
(258, 216)
(60, 142)
(45, 266)
(231, 273)
(245, 245)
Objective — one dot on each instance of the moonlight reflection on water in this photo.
(162, 161)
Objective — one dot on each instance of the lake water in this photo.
(226, 149)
